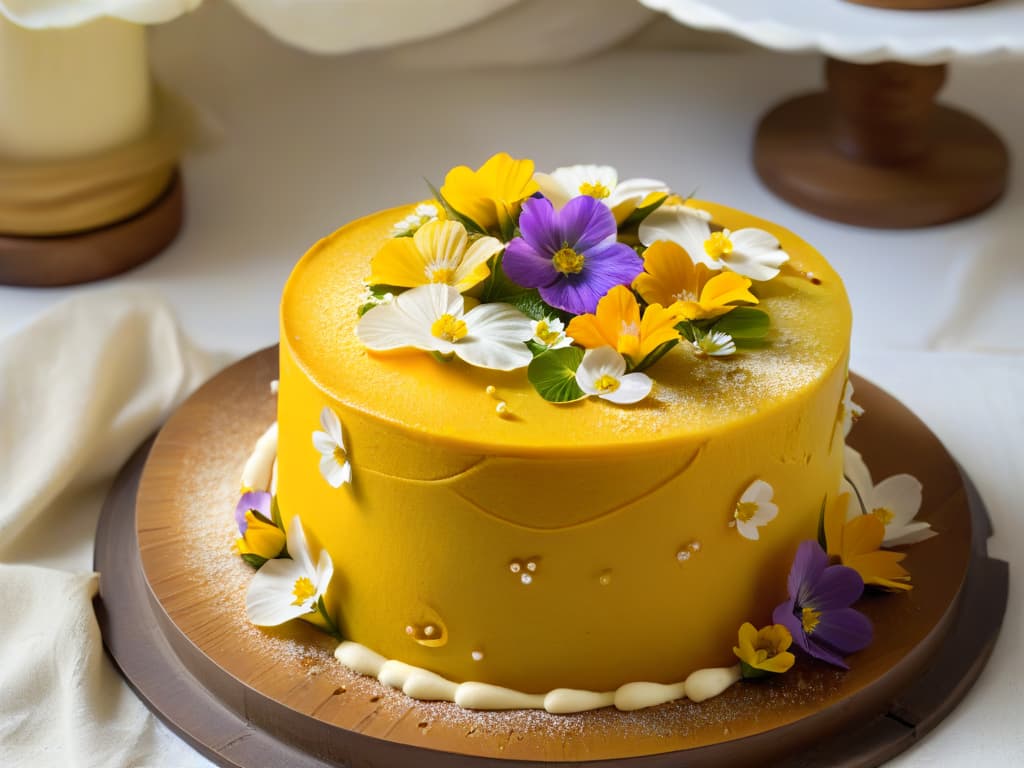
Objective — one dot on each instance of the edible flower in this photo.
(423, 214)
(602, 372)
(818, 613)
(895, 501)
(433, 318)
(330, 443)
(714, 344)
(849, 411)
(764, 651)
(550, 332)
(292, 587)
(750, 252)
(618, 323)
(856, 543)
(671, 278)
(754, 510)
(490, 195)
(439, 252)
(600, 182)
(259, 535)
(572, 256)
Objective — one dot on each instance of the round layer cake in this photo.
(540, 546)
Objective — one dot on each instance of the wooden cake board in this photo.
(82, 257)
(171, 609)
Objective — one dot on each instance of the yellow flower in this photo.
(490, 196)
(765, 649)
(856, 543)
(671, 278)
(618, 324)
(439, 252)
(261, 538)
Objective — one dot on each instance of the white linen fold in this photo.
(80, 388)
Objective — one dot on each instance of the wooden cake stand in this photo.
(82, 257)
(171, 608)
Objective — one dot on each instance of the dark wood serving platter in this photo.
(171, 608)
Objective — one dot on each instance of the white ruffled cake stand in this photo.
(874, 149)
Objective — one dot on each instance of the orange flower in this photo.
(671, 278)
(857, 543)
(618, 324)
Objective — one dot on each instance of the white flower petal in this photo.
(270, 598)
(324, 573)
(758, 492)
(324, 443)
(552, 189)
(681, 225)
(748, 529)
(633, 387)
(901, 495)
(859, 477)
(298, 548)
(766, 512)
(334, 473)
(573, 177)
(332, 426)
(498, 321)
(635, 191)
(603, 361)
(909, 534)
(494, 354)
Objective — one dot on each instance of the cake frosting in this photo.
(484, 537)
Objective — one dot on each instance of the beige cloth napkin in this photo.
(80, 388)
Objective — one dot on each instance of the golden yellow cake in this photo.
(487, 534)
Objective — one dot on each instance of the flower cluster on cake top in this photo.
(584, 280)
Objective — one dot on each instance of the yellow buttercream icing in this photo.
(545, 545)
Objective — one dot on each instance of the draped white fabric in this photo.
(542, 30)
(80, 388)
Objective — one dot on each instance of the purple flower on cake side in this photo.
(255, 501)
(818, 612)
(571, 256)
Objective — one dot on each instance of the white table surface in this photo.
(309, 143)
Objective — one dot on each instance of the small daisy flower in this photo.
(550, 332)
(334, 464)
(424, 214)
(602, 372)
(715, 344)
(754, 510)
(895, 501)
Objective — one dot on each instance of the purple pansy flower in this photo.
(257, 501)
(818, 613)
(571, 256)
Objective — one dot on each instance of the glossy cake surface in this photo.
(581, 545)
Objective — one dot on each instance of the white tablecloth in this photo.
(310, 143)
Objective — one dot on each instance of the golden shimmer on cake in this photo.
(580, 545)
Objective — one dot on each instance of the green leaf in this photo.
(254, 560)
(748, 672)
(821, 526)
(259, 516)
(744, 324)
(641, 213)
(655, 355)
(553, 374)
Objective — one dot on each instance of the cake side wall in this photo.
(546, 571)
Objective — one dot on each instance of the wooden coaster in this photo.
(876, 151)
(171, 608)
(86, 256)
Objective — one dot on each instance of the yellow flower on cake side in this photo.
(764, 651)
(856, 543)
(671, 278)
(618, 324)
(490, 195)
(439, 252)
